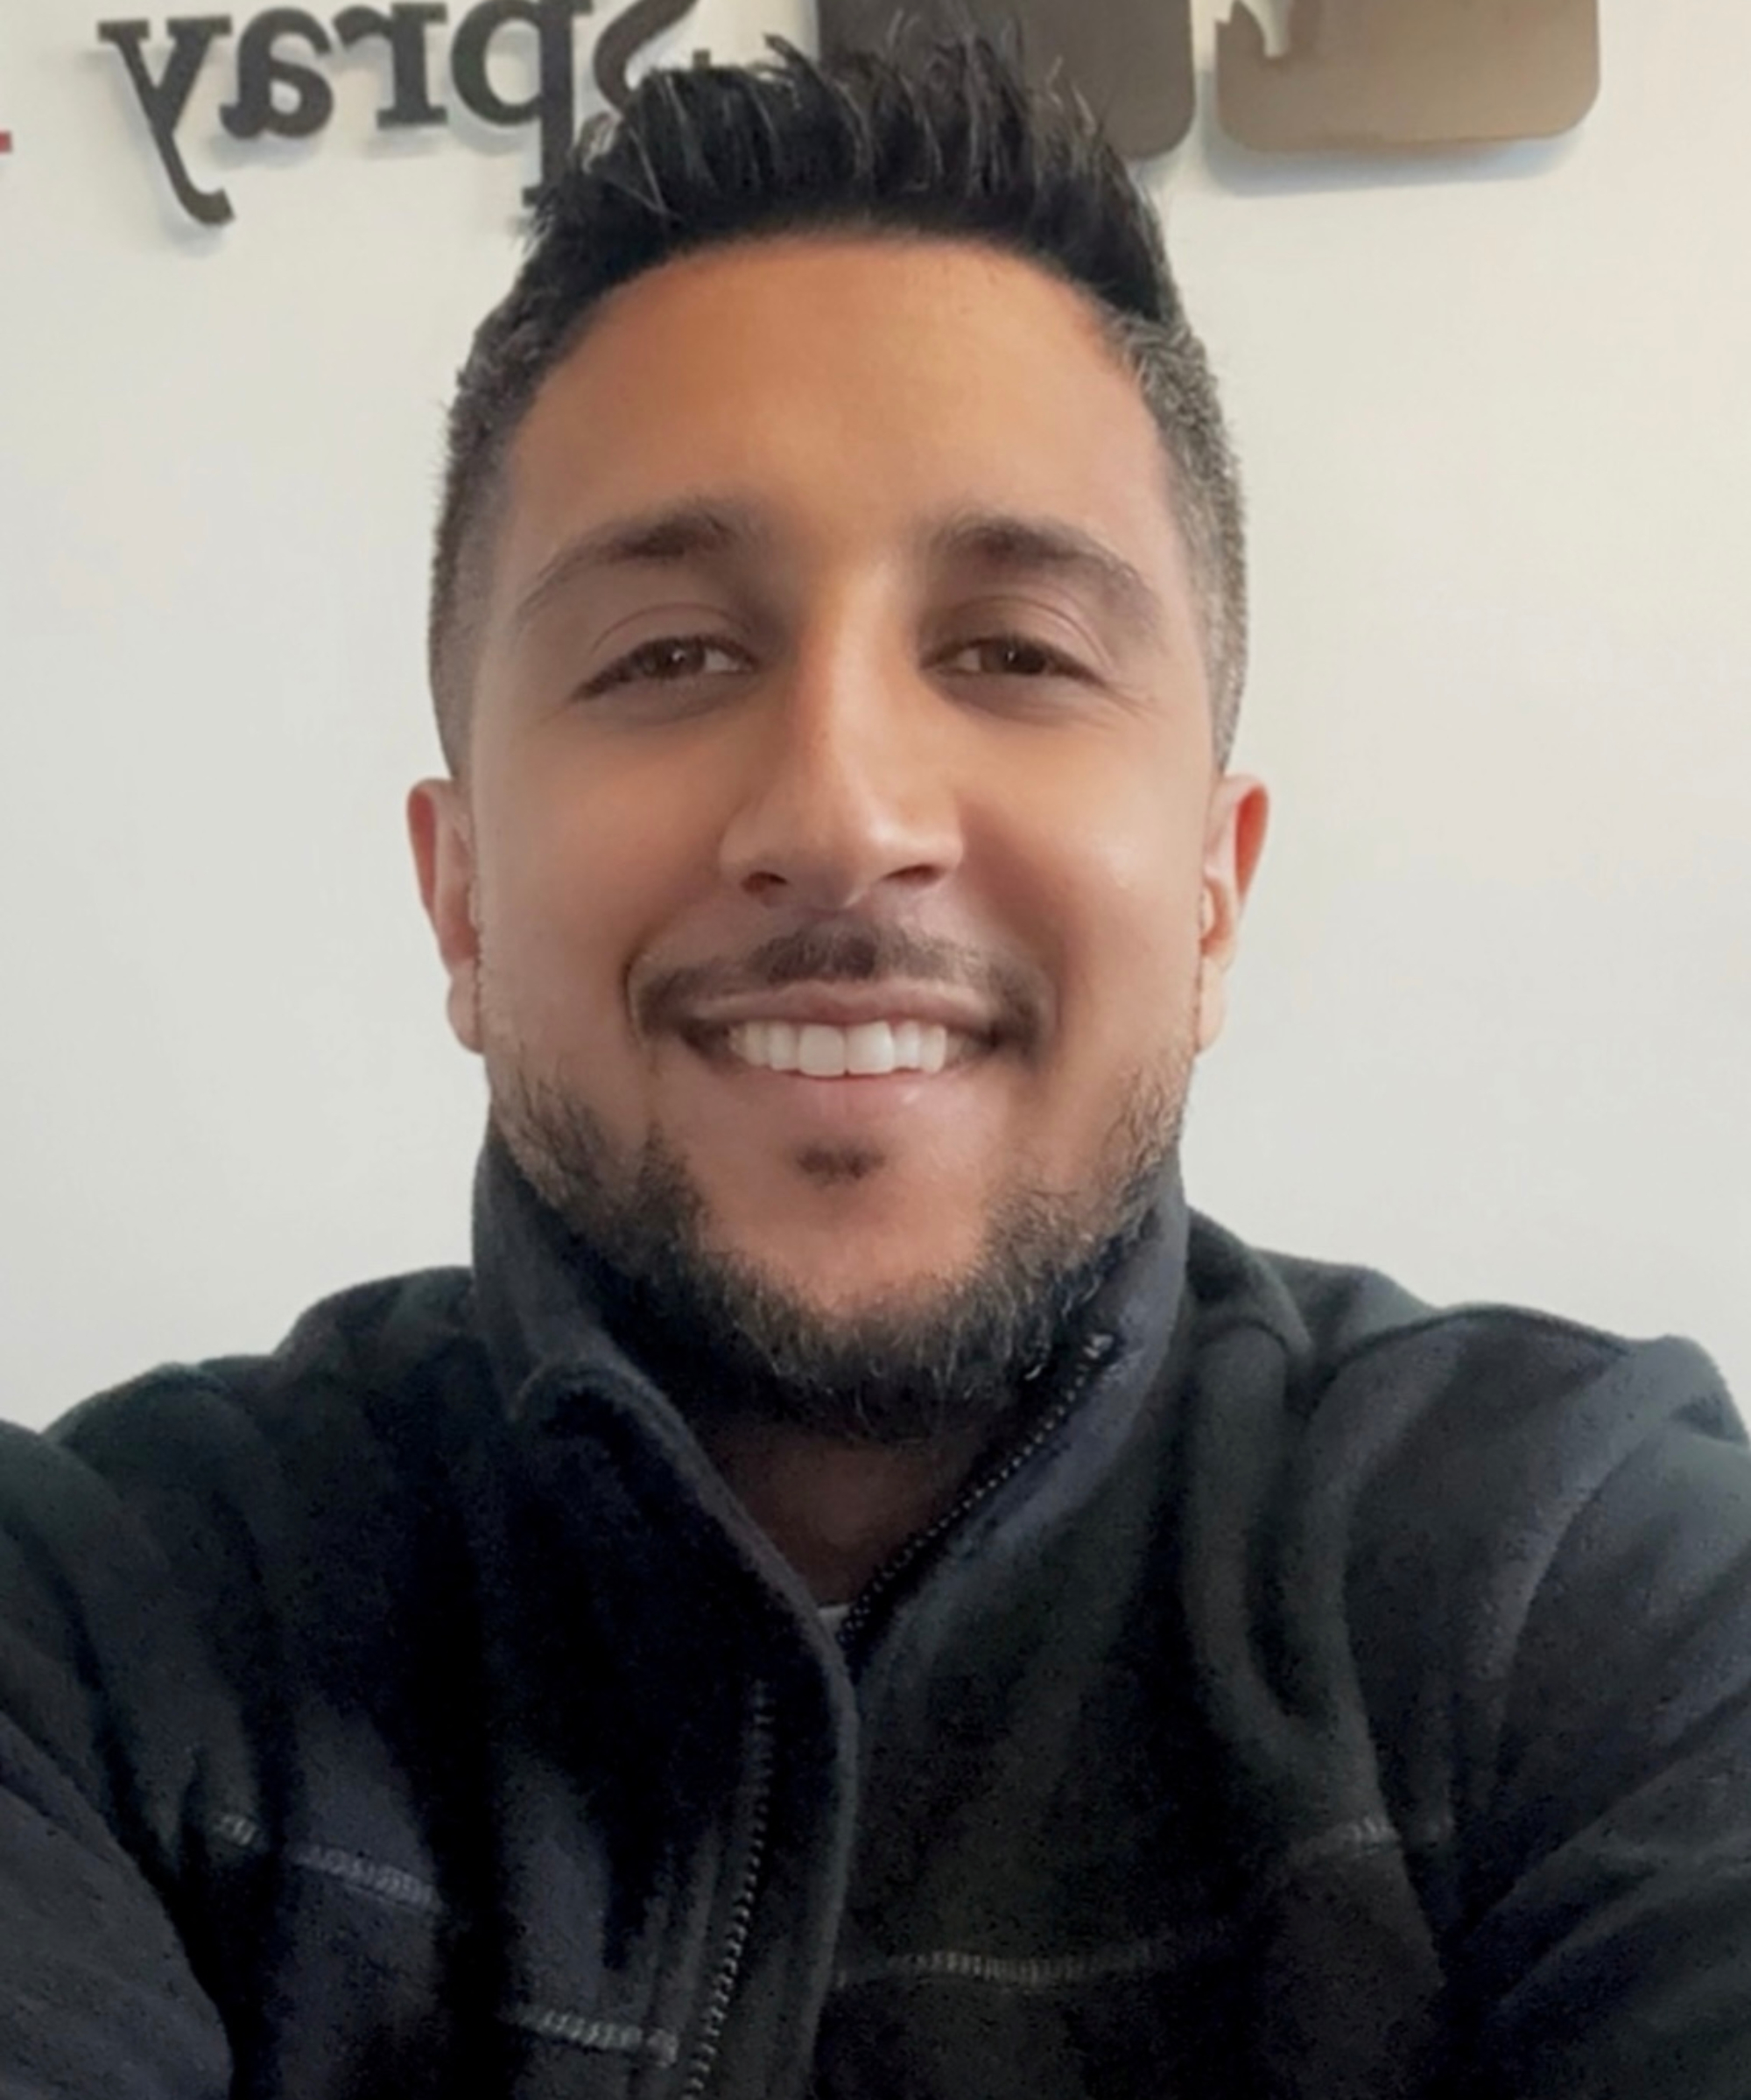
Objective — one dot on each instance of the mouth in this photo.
(869, 1050)
(834, 1033)
(838, 1087)
(824, 1051)
(826, 1086)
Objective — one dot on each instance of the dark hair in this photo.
(939, 139)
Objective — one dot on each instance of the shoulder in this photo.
(350, 1355)
(209, 1463)
(1354, 1343)
(192, 1559)
(1448, 1467)
(1519, 1530)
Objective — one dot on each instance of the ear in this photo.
(1239, 812)
(439, 825)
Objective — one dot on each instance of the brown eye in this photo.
(1010, 656)
(667, 661)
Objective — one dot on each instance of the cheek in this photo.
(573, 878)
(1131, 987)
(1114, 902)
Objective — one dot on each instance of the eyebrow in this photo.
(1003, 541)
(665, 538)
(1024, 545)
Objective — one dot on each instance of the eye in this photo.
(670, 660)
(1010, 656)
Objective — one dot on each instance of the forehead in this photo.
(841, 390)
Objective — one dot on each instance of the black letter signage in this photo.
(554, 102)
(626, 36)
(162, 100)
(261, 69)
(403, 30)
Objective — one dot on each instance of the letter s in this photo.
(626, 36)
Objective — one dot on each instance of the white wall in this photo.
(1493, 1024)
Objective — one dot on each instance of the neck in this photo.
(839, 1511)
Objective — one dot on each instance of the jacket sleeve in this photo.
(1603, 1939)
(97, 1996)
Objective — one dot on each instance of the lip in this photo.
(854, 1105)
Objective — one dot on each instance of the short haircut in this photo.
(941, 140)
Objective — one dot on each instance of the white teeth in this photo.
(870, 1050)
(820, 1051)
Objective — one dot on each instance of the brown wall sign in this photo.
(1131, 59)
(1393, 74)
(1369, 76)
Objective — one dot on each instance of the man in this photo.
(858, 1591)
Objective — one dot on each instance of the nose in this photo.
(848, 793)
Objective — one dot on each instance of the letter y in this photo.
(162, 100)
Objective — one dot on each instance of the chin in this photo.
(867, 1273)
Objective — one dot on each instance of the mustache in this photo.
(849, 951)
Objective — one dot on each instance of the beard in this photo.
(729, 1342)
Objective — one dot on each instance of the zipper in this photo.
(1090, 1357)
(1095, 1352)
(735, 1938)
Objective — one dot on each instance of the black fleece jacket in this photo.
(1333, 1698)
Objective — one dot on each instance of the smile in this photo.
(870, 1050)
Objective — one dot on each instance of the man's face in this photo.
(840, 705)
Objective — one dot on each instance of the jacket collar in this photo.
(540, 1292)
